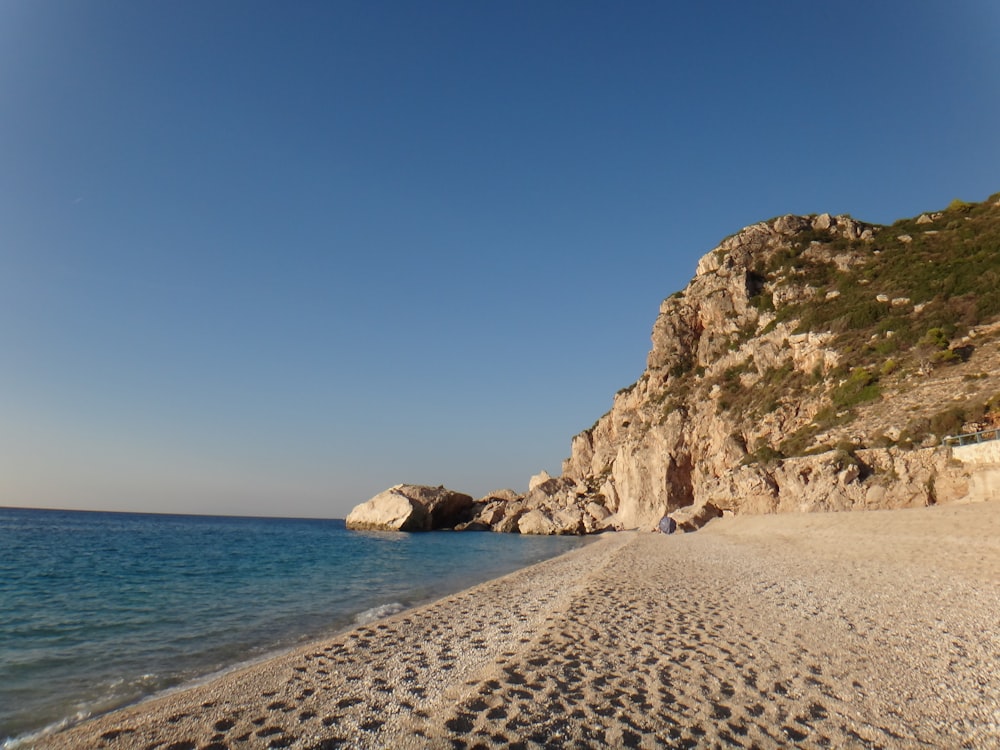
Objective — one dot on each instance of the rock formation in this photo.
(812, 364)
(409, 507)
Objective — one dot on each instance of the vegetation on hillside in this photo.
(898, 304)
(947, 271)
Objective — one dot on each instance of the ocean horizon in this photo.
(99, 610)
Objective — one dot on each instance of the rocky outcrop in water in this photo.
(410, 507)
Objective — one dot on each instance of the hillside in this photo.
(805, 367)
(812, 363)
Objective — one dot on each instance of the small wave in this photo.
(377, 613)
(29, 740)
(117, 693)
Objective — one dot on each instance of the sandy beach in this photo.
(877, 629)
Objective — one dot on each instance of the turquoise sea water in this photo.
(98, 610)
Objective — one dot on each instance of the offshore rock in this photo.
(409, 507)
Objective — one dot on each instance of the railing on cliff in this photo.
(971, 438)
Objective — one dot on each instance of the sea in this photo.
(100, 610)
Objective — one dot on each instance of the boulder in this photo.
(504, 494)
(597, 511)
(611, 523)
(508, 522)
(592, 526)
(492, 512)
(410, 507)
(823, 221)
(536, 522)
(540, 478)
(388, 511)
(568, 521)
(559, 491)
(693, 517)
(851, 228)
(790, 224)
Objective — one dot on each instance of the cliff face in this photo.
(810, 364)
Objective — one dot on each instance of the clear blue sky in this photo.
(271, 258)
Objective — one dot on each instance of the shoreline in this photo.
(863, 629)
(209, 596)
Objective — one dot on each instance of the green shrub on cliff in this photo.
(859, 387)
(910, 277)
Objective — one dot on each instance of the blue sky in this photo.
(271, 258)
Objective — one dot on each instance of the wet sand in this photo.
(877, 629)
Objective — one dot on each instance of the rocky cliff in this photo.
(812, 363)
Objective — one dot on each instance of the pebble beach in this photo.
(872, 630)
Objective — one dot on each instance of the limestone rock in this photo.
(492, 512)
(536, 522)
(693, 517)
(408, 507)
(508, 523)
(790, 224)
(568, 521)
(736, 410)
(539, 478)
(598, 511)
(596, 519)
(388, 511)
(504, 494)
(823, 221)
(692, 434)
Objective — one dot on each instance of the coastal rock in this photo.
(568, 521)
(742, 410)
(504, 494)
(408, 507)
(540, 478)
(693, 517)
(597, 511)
(536, 522)
(388, 511)
(508, 522)
(778, 380)
(492, 512)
